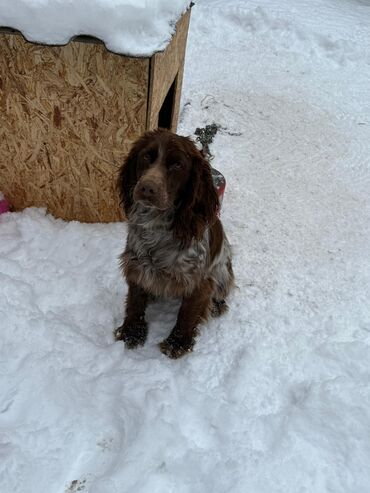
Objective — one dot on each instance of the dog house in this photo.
(68, 115)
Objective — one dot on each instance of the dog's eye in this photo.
(175, 166)
(149, 157)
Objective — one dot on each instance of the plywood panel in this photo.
(67, 118)
(165, 67)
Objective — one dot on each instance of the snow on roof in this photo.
(131, 27)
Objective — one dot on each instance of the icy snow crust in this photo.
(131, 27)
(276, 396)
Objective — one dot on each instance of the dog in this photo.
(176, 246)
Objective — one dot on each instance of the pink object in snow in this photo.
(4, 206)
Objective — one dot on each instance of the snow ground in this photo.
(276, 396)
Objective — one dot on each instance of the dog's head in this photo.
(166, 171)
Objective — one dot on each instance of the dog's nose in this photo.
(148, 190)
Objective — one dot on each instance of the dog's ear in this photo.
(199, 203)
(127, 179)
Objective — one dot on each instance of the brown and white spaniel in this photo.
(176, 245)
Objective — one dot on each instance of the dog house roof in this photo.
(130, 27)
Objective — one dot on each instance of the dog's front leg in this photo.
(134, 329)
(193, 310)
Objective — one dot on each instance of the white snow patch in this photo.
(131, 27)
(276, 396)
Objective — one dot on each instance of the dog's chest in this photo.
(154, 259)
(157, 249)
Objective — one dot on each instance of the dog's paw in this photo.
(219, 307)
(133, 334)
(175, 347)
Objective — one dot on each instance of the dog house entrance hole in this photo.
(166, 111)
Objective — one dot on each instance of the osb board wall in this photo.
(67, 118)
(165, 66)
